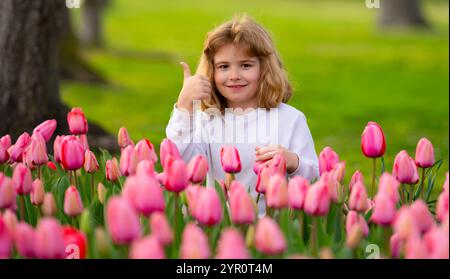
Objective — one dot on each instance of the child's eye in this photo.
(222, 67)
(246, 65)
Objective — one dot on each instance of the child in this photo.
(243, 89)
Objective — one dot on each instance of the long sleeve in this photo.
(302, 144)
(181, 129)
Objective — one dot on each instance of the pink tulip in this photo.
(112, 170)
(77, 121)
(6, 240)
(384, 211)
(241, 204)
(17, 149)
(84, 142)
(123, 138)
(49, 239)
(197, 169)
(90, 162)
(144, 194)
(422, 215)
(38, 150)
(277, 192)
(25, 239)
(192, 194)
(46, 129)
(437, 243)
(357, 176)
(4, 155)
(373, 143)
(278, 165)
(194, 243)
(49, 205)
(332, 184)
(389, 185)
(22, 179)
(72, 153)
(338, 171)
(160, 227)
(405, 169)
(297, 189)
(73, 206)
(7, 192)
(358, 200)
(257, 166)
(146, 151)
(355, 219)
(161, 177)
(57, 148)
(167, 149)
(6, 141)
(231, 245)
(445, 186)
(327, 159)
(441, 206)
(230, 160)
(317, 201)
(268, 237)
(122, 221)
(208, 209)
(424, 153)
(146, 167)
(263, 179)
(128, 161)
(396, 244)
(405, 225)
(27, 159)
(176, 175)
(148, 247)
(416, 248)
(37, 192)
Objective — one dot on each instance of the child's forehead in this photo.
(233, 52)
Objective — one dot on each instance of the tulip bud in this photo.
(317, 201)
(5, 141)
(277, 192)
(356, 220)
(422, 215)
(327, 159)
(128, 161)
(146, 167)
(405, 169)
(354, 237)
(384, 211)
(10, 220)
(231, 245)
(90, 162)
(73, 206)
(338, 171)
(268, 238)
(24, 239)
(358, 200)
(230, 160)
(208, 209)
(357, 176)
(373, 143)
(160, 227)
(441, 206)
(22, 179)
(168, 149)
(49, 205)
(57, 148)
(101, 192)
(241, 205)
(278, 164)
(437, 242)
(122, 221)
(72, 153)
(146, 151)
(194, 243)
(17, 149)
(6, 240)
(197, 169)
(75, 243)
(415, 248)
(176, 175)
(404, 224)
(7, 192)
(424, 153)
(144, 194)
(389, 185)
(297, 189)
(263, 179)
(37, 192)
(4, 155)
(148, 247)
(124, 138)
(49, 239)
(192, 194)
(112, 170)
(77, 121)
(46, 129)
(396, 245)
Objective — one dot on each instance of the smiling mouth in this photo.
(236, 86)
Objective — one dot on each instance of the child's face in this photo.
(236, 76)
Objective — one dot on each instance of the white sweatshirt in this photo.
(205, 134)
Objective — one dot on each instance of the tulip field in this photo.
(75, 203)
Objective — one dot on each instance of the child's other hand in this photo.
(195, 87)
(265, 154)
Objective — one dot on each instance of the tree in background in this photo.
(402, 13)
(91, 22)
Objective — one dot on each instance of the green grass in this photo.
(345, 71)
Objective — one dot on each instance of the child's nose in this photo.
(234, 74)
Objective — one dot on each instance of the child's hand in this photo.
(265, 154)
(195, 87)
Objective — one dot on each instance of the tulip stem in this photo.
(373, 176)
(39, 172)
(75, 178)
(402, 193)
(229, 177)
(411, 194)
(92, 186)
(314, 236)
(175, 220)
(22, 207)
(422, 184)
(257, 198)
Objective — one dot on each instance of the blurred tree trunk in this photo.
(91, 22)
(29, 69)
(403, 13)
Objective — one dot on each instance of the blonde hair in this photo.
(274, 86)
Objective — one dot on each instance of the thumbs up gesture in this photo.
(195, 87)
